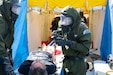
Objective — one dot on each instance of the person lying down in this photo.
(38, 62)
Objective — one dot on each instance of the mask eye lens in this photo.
(62, 17)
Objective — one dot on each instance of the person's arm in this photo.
(2, 31)
(81, 44)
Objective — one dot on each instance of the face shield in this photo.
(65, 20)
(16, 7)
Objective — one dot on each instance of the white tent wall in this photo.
(96, 20)
(38, 28)
(34, 31)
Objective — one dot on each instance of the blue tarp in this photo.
(111, 15)
(106, 42)
(20, 44)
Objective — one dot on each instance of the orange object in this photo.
(44, 42)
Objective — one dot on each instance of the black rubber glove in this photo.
(63, 42)
(56, 33)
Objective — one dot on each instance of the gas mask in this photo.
(65, 22)
(16, 9)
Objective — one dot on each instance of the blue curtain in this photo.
(20, 44)
(106, 42)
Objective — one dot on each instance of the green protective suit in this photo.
(6, 36)
(82, 38)
(6, 27)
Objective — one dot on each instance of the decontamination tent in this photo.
(39, 23)
(96, 17)
(49, 6)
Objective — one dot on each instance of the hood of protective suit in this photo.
(6, 9)
(68, 10)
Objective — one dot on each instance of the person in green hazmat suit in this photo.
(9, 11)
(75, 39)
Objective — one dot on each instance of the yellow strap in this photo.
(107, 73)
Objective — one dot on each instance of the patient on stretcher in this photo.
(39, 61)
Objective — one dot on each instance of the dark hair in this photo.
(83, 18)
(81, 14)
(38, 71)
(55, 23)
